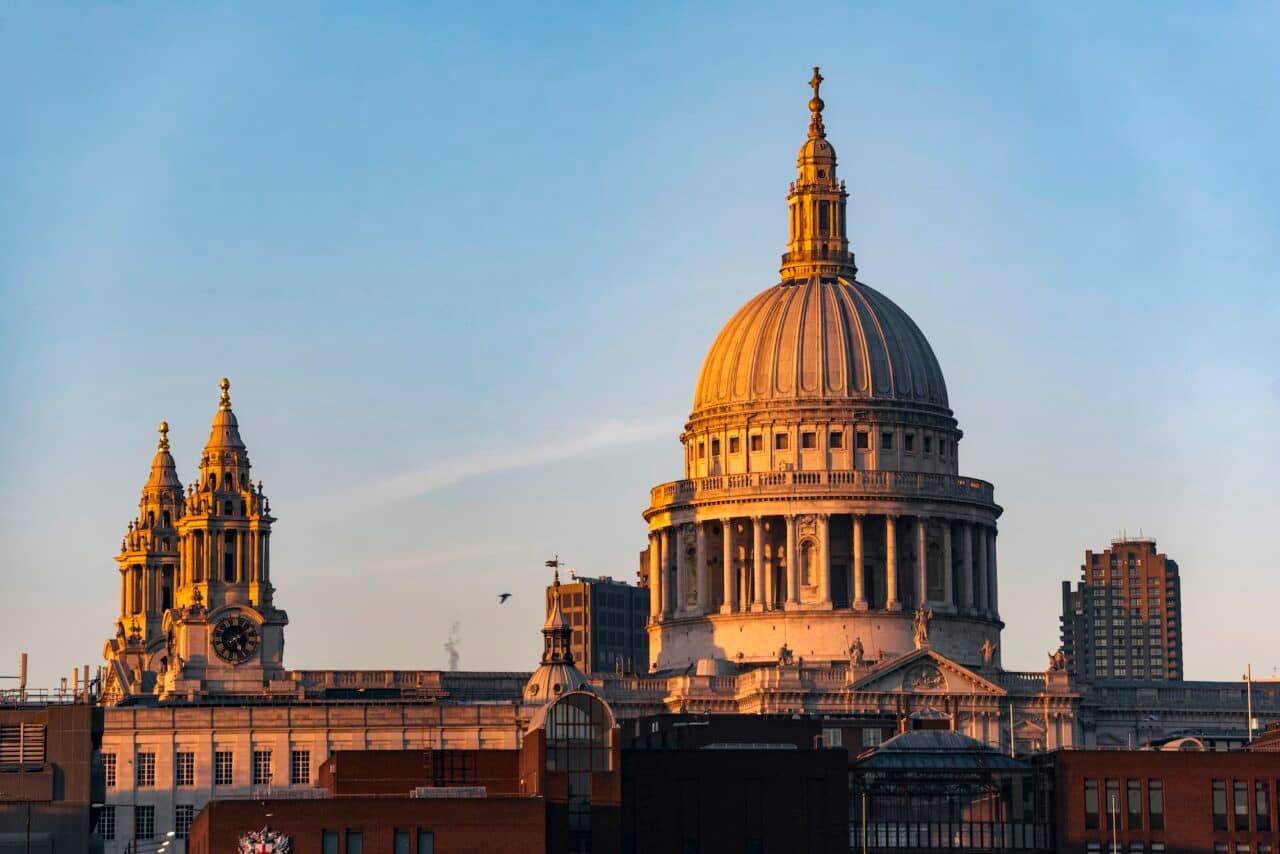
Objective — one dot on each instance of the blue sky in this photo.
(462, 266)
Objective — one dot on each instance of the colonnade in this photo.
(771, 562)
(204, 556)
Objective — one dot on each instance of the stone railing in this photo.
(872, 483)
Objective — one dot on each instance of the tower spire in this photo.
(818, 245)
(816, 128)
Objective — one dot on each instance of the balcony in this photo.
(875, 484)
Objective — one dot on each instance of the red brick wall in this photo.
(462, 826)
(1187, 780)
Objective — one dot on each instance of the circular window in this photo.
(822, 173)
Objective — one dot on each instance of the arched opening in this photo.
(579, 731)
(229, 557)
(213, 481)
(166, 519)
(151, 518)
(244, 509)
(808, 563)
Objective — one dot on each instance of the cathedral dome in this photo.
(818, 341)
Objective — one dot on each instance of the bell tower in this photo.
(818, 243)
(149, 567)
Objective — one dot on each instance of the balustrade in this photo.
(907, 484)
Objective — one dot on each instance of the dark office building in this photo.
(1123, 620)
(608, 619)
(46, 779)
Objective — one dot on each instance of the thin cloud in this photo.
(444, 473)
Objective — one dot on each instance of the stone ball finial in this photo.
(164, 435)
(225, 401)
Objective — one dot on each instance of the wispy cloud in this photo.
(444, 473)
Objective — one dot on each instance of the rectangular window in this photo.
(780, 441)
(107, 822)
(146, 771)
(261, 767)
(702, 450)
(1090, 804)
(837, 439)
(871, 737)
(401, 843)
(144, 822)
(886, 440)
(329, 842)
(1113, 803)
(909, 442)
(862, 440)
(928, 444)
(715, 447)
(735, 444)
(222, 768)
(184, 769)
(1262, 804)
(426, 842)
(1240, 797)
(355, 842)
(1219, 805)
(300, 768)
(1133, 795)
(109, 769)
(757, 442)
(808, 440)
(1157, 848)
(183, 815)
(1093, 847)
(1155, 803)
(1137, 848)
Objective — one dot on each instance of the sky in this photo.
(462, 263)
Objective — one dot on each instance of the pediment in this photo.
(924, 671)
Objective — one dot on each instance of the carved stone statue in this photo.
(856, 653)
(785, 656)
(988, 650)
(1058, 660)
(920, 622)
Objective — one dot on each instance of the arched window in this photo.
(151, 518)
(213, 481)
(229, 557)
(226, 508)
(578, 728)
(808, 563)
(167, 520)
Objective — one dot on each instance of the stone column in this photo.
(824, 560)
(859, 573)
(922, 561)
(655, 577)
(981, 570)
(948, 584)
(242, 568)
(702, 569)
(266, 558)
(665, 542)
(966, 565)
(891, 565)
(682, 572)
(993, 598)
(793, 565)
(757, 558)
(730, 603)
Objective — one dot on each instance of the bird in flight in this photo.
(503, 597)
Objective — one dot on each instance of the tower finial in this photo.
(225, 401)
(164, 436)
(816, 128)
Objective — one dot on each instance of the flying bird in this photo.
(503, 597)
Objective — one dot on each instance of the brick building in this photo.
(1123, 620)
(1166, 802)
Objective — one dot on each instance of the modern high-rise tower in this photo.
(1124, 618)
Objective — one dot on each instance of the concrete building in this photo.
(609, 624)
(1123, 620)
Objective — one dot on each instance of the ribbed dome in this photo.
(820, 340)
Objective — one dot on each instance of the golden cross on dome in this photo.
(225, 402)
(816, 129)
(164, 435)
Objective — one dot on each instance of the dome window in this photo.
(735, 444)
(909, 443)
(757, 442)
(886, 440)
(781, 441)
(702, 450)
(715, 447)
(808, 440)
(836, 440)
(928, 444)
(862, 440)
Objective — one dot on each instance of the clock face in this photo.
(235, 639)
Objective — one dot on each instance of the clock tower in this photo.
(211, 626)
